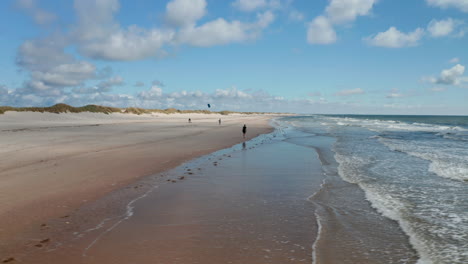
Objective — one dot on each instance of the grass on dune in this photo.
(64, 108)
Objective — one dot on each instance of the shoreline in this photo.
(58, 163)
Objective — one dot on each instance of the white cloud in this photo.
(128, 45)
(100, 37)
(320, 31)
(462, 5)
(441, 28)
(393, 38)
(343, 11)
(65, 74)
(39, 15)
(350, 92)
(50, 68)
(154, 93)
(231, 93)
(185, 12)
(452, 76)
(252, 5)
(43, 54)
(220, 31)
(394, 95)
(106, 86)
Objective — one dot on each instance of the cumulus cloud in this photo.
(220, 31)
(321, 29)
(252, 5)
(441, 28)
(452, 76)
(51, 70)
(343, 11)
(39, 15)
(462, 5)
(185, 12)
(100, 37)
(71, 74)
(131, 44)
(393, 38)
(154, 93)
(350, 92)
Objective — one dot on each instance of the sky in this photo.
(300, 56)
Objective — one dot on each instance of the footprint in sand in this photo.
(8, 260)
(181, 177)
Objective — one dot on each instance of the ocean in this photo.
(412, 172)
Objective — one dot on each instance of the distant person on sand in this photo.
(219, 121)
(190, 120)
(244, 130)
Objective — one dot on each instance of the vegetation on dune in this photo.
(64, 108)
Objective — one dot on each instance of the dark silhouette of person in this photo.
(219, 121)
(190, 120)
(244, 130)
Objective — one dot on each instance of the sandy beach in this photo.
(53, 164)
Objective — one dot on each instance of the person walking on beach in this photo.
(219, 121)
(190, 120)
(244, 130)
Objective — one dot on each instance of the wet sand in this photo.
(54, 165)
(246, 204)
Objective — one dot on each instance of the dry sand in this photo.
(54, 163)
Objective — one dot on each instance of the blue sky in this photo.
(321, 56)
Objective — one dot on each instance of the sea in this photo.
(411, 172)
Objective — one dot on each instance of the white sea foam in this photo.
(446, 161)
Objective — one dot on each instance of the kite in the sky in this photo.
(209, 106)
